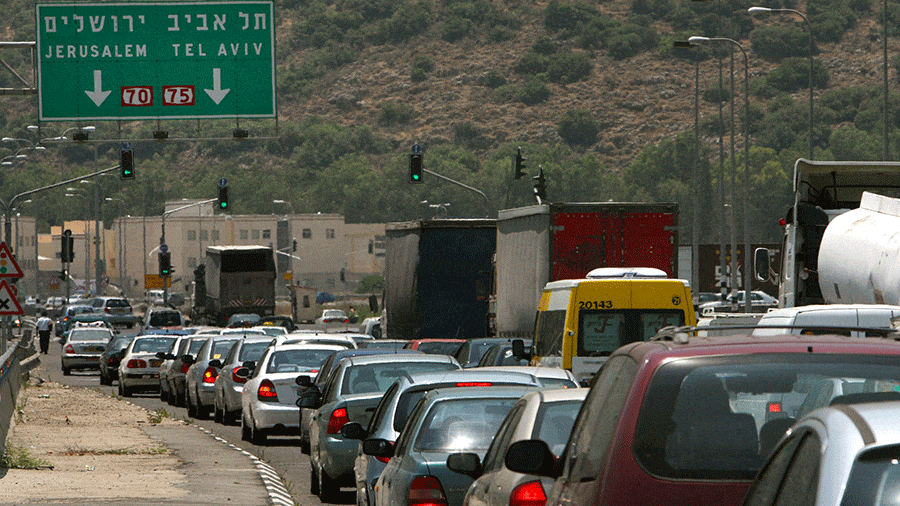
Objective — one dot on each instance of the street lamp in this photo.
(288, 251)
(747, 247)
(761, 10)
(695, 179)
(80, 136)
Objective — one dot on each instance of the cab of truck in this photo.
(580, 322)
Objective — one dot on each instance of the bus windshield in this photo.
(601, 332)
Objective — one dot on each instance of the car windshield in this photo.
(165, 319)
(152, 344)
(601, 332)
(333, 313)
(719, 417)
(874, 479)
(297, 360)
(462, 424)
(252, 351)
(554, 424)
(94, 335)
(120, 343)
(363, 379)
(439, 347)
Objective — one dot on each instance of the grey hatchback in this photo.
(200, 380)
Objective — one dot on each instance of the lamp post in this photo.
(747, 247)
(119, 259)
(695, 179)
(289, 248)
(761, 10)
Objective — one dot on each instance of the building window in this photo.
(255, 234)
(307, 233)
(204, 235)
(192, 262)
(244, 235)
(329, 233)
(192, 235)
(267, 234)
(215, 235)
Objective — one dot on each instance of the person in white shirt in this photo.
(44, 325)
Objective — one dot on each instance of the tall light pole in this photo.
(761, 10)
(119, 259)
(747, 246)
(289, 251)
(695, 177)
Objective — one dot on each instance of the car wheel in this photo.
(257, 436)
(124, 390)
(163, 393)
(219, 416)
(313, 482)
(191, 408)
(245, 429)
(66, 371)
(328, 488)
(304, 444)
(105, 380)
(231, 417)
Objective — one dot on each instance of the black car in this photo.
(111, 356)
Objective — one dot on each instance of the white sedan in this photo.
(269, 398)
(139, 368)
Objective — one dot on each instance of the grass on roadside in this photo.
(156, 450)
(157, 416)
(17, 457)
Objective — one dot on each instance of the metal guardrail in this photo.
(11, 375)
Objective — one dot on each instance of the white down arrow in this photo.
(98, 95)
(217, 93)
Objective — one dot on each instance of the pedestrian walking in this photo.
(43, 325)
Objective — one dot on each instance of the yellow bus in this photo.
(580, 322)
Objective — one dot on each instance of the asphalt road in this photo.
(282, 453)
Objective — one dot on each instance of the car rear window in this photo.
(411, 396)
(462, 424)
(718, 417)
(439, 348)
(297, 360)
(152, 344)
(367, 378)
(252, 351)
(220, 348)
(554, 422)
(165, 319)
(117, 303)
(90, 335)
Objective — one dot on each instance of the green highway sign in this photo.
(179, 60)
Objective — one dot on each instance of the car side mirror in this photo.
(518, 350)
(242, 372)
(216, 363)
(310, 398)
(465, 463)
(304, 381)
(169, 356)
(531, 456)
(353, 430)
(761, 265)
(249, 364)
(187, 359)
(161, 355)
(378, 448)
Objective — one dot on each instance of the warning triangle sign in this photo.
(8, 303)
(8, 266)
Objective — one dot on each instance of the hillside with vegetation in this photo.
(592, 92)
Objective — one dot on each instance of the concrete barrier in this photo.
(11, 375)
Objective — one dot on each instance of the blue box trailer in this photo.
(438, 278)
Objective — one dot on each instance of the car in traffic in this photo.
(229, 386)
(398, 402)
(139, 367)
(279, 321)
(550, 377)
(685, 417)
(319, 382)
(471, 351)
(857, 320)
(352, 391)
(502, 354)
(82, 347)
(200, 378)
(845, 454)
(62, 323)
(242, 320)
(760, 302)
(332, 316)
(163, 317)
(435, 346)
(112, 356)
(270, 330)
(174, 368)
(117, 309)
(445, 421)
(547, 415)
(317, 337)
(168, 359)
(269, 397)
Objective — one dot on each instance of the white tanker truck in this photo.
(842, 236)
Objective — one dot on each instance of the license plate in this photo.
(155, 363)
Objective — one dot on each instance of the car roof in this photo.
(475, 392)
(279, 347)
(827, 308)
(473, 374)
(436, 340)
(547, 372)
(394, 357)
(558, 394)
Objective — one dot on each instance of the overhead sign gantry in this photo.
(178, 60)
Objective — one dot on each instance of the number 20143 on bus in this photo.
(142, 96)
(595, 304)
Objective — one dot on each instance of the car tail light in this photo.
(235, 378)
(185, 367)
(107, 310)
(426, 491)
(70, 349)
(210, 375)
(528, 494)
(136, 363)
(338, 419)
(266, 391)
(773, 407)
(346, 320)
(474, 384)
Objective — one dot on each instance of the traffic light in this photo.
(415, 168)
(294, 246)
(165, 263)
(67, 253)
(223, 197)
(126, 163)
(540, 184)
(520, 164)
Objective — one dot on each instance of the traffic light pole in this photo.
(162, 237)
(487, 202)
(8, 210)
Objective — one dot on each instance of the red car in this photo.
(690, 421)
